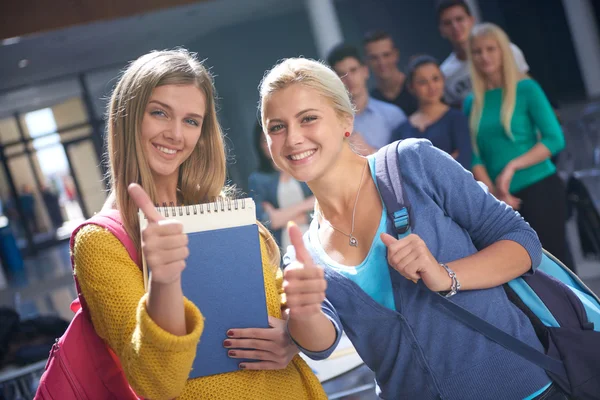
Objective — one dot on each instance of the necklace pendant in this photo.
(353, 241)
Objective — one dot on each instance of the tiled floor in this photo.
(44, 286)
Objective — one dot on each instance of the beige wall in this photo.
(87, 172)
(69, 113)
(83, 155)
(8, 130)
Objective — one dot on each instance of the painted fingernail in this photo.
(242, 366)
(231, 353)
(230, 333)
(227, 343)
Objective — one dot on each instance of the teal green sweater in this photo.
(533, 121)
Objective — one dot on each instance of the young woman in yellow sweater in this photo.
(163, 136)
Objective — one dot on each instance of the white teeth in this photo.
(301, 156)
(165, 150)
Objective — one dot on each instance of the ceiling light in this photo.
(23, 63)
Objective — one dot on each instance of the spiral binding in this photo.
(220, 205)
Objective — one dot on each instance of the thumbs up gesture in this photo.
(164, 245)
(411, 257)
(303, 282)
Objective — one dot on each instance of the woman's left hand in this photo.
(272, 348)
(504, 179)
(512, 201)
(277, 217)
(413, 260)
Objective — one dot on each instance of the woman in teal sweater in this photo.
(514, 133)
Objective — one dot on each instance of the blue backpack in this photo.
(563, 311)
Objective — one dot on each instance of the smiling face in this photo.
(304, 132)
(171, 127)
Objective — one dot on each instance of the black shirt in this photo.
(404, 100)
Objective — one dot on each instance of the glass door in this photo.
(53, 173)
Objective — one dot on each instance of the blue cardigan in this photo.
(449, 133)
(263, 187)
(420, 351)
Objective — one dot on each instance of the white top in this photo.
(289, 193)
(220, 214)
(342, 360)
(458, 78)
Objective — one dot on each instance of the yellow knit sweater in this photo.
(156, 362)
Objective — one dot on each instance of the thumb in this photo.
(143, 202)
(302, 254)
(387, 239)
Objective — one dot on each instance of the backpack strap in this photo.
(110, 220)
(390, 187)
(389, 182)
(502, 338)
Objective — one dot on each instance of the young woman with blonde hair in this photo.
(165, 145)
(349, 273)
(515, 133)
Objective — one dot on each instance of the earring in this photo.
(347, 134)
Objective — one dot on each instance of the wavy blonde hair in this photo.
(510, 75)
(201, 176)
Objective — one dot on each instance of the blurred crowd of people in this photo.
(480, 105)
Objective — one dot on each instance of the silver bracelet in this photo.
(455, 287)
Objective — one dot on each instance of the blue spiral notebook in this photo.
(223, 277)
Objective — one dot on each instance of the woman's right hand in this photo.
(304, 282)
(164, 245)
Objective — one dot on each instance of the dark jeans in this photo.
(552, 393)
(544, 207)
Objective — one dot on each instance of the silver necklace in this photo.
(352, 239)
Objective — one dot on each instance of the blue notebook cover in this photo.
(224, 279)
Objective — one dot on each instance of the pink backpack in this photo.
(81, 365)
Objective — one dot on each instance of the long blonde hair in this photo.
(510, 75)
(202, 176)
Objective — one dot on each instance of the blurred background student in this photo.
(515, 133)
(447, 128)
